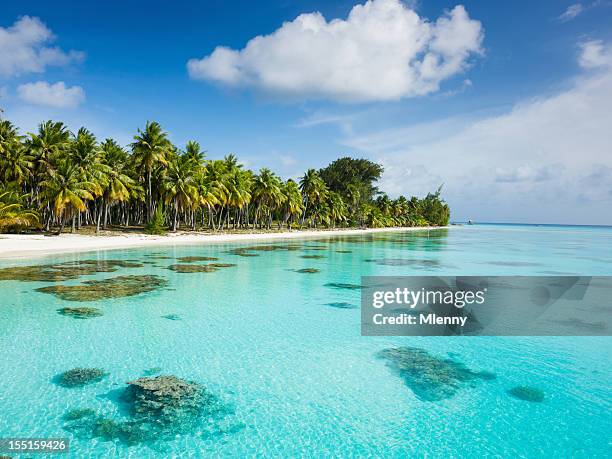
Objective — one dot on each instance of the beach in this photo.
(32, 245)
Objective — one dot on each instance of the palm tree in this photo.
(313, 189)
(180, 186)
(151, 148)
(65, 189)
(52, 139)
(293, 203)
(15, 162)
(119, 186)
(268, 194)
(238, 186)
(12, 214)
(338, 212)
(193, 152)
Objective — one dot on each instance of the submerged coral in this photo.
(172, 317)
(113, 287)
(344, 251)
(529, 394)
(430, 378)
(341, 305)
(193, 268)
(308, 270)
(78, 377)
(78, 413)
(343, 286)
(194, 258)
(249, 251)
(80, 313)
(313, 257)
(159, 408)
(222, 265)
(64, 271)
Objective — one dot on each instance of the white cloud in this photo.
(547, 159)
(571, 12)
(51, 95)
(382, 51)
(595, 54)
(24, 48)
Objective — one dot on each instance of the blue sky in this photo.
(511, 118)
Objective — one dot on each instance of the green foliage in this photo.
(157, 224)
(361, 173)
(57, 177)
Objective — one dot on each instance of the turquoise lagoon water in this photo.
(295, 375)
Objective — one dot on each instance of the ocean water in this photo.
(282, 353)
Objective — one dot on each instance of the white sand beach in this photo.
(33, 245)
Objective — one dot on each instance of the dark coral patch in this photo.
(222, 265)
(343, 286)
(78, 413)
(115, 287)
(160, 408)
(312, 257)
(80, 313)
(193, 268)
(250, 251)
(430, 378)
(307, 270)
(527, 393)
(341, 305)
(79, 377)
(190, 259)
(64, 271)
(344, 251)
(172, 317)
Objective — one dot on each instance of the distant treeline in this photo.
(54, 178)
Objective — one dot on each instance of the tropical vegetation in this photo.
(52, 179)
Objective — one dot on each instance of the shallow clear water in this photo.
(294, 372)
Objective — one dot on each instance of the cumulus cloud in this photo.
(595, 54)
(24, 48)
(56, 95)
(382, 51)
(548, 159)
(571, 12)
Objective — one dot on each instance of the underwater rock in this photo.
(430, 378)
(193, 268)
(248, 251)
(341, 305)
(222, 265)
(170, 401)
(78, 413)
(172, 317)
(115, 287)
(313, 257)
(80, 313)
(78, 377)
(190, 259)
(529, 394)
(308, 270)
(160, 408)
(344, 286)
(64, 271)
(343, 251)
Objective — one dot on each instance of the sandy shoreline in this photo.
(26, 246)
